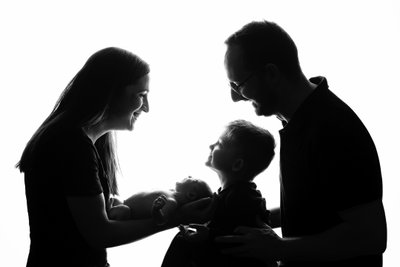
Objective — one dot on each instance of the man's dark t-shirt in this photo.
(328, 164)
(65, 164)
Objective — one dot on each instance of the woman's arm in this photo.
(92, 221)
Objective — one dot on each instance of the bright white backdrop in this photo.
(44, 43)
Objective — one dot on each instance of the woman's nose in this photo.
(145, 105)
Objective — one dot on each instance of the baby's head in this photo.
(192, 189)
(243, 149)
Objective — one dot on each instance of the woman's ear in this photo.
(238, 165)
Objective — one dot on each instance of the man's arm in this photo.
(275, 217)
(362, 232)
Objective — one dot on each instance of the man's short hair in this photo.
(265, 42)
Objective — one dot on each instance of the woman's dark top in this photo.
(64, 164)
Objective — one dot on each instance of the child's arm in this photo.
(163, 208)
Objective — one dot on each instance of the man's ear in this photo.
(238, 165)
(272, 73)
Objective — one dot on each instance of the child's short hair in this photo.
(256, 143)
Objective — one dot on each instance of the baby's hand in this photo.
(159, 202)
(157, 212)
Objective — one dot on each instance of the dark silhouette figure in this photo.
(331, 211)
(70, 164)
(241, 153)
(161, 205)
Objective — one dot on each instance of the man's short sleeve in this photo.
(349, 167)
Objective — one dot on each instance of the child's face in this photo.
(223, 155)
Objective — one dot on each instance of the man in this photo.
(331, 211)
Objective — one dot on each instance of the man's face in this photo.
(251, 85)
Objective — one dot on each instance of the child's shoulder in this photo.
(242, 191)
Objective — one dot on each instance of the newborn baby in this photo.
(159, 205)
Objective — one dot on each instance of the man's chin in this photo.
(261, 111)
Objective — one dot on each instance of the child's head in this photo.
(193, 189)
(243, 148)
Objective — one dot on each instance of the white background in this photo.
(44, 43)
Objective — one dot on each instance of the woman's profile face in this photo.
(128, 105)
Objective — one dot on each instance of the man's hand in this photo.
(259, 243)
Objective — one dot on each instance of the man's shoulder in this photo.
(333, 114)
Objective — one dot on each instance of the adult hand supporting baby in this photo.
(199, 211)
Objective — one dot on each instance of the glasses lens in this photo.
(236, 96)
(233, 86)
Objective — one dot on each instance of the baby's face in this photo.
(186, 185)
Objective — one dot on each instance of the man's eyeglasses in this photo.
(236, 87)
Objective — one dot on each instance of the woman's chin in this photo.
(131, 123)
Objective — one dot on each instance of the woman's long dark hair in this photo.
(85, 102)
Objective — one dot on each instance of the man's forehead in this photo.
(234, 61)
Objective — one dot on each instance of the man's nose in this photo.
(236, 97)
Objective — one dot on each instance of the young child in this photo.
(241, 153)
(160, 205)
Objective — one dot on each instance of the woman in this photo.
(70, 164)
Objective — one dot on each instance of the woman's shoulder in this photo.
(60, 142)
(67, 137)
